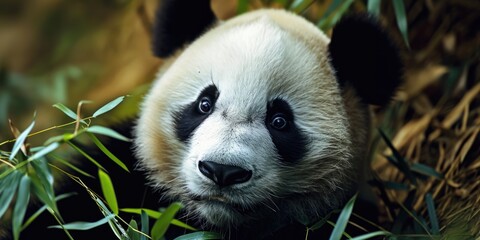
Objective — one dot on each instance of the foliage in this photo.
(26, 171)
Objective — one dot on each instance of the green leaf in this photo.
(44, 175)
(117, 229)
(60, 138)
(44, 151)
(399, 160)
(20, 140)
(23, 196)
(66, 110)
(109, 106)
(43, 208)
(432, 214)
(132, 231)
(163, 222)
(107, 132)
(84, 225)
(149, 212)
(41, 193)
(108, 191)
(343, 220)
(8, 186)
(371, 235)
(11, 170)
(333, 14)
(299, 6)
(71, 166)
(86, 156)
(200, 236)
(322, 221)
(426, 170)
(156, 214)
(401, 17)
(145, 224)
(107, 152)
(374, 7)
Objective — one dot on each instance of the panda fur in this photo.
(263, 120)
(258, 124)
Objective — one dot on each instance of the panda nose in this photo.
(224, 175)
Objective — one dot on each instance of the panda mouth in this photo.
(219, 200)
(213, 198)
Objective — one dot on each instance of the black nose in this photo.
(224, 175)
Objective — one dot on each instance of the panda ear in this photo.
(364, 56)
(179, 22)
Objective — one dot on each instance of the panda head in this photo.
(262, 117)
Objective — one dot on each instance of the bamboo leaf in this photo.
(432, 214)
(71, 166)
(132, 231)
(107, 152)
(84, 225)
(149, 212)
(8, 186)
(60, 138)
(371, 235)
(426, 170)
(20, 141)
(41, 193)
(113, 223)
(43, 208)
(156, 214)
(145, 224)
(23, 196)
(333, 14)
(200, 236)
(108, 191)
(86, 156)
(322, 221)
(163, 222)
(109, 106)
(107, 132)
(401, 17)
(400, 161)
(66, 110)
(343, 220)
(44, 176)
(44, 151)
(299, 6)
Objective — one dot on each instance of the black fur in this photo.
(289, 142)
(179, 22)
(364, 56)
(189, 118)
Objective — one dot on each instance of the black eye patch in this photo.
(192, 115)
(287, 137)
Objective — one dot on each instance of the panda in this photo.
(254, 124)
(261, 120)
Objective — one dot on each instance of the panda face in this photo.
(248, 118)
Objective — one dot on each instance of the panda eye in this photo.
(205, 105)
(278, 121)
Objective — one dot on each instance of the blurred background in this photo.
(57, 51)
